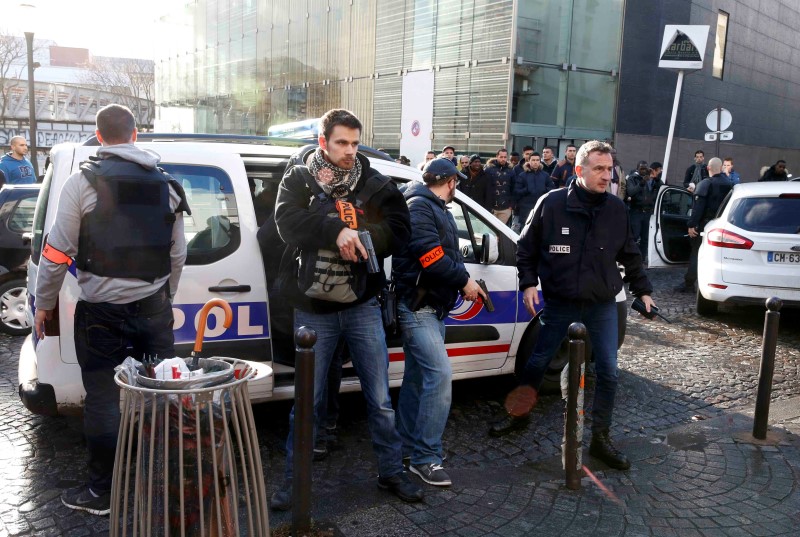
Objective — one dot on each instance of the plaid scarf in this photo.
(334, 181)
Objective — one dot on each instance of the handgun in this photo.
(639, 306)
(488, 300)
(373, 266)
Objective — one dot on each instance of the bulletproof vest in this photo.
(718, 189)
(129, 232)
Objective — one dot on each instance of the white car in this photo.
(750, 251)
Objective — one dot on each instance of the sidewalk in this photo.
(707, 478)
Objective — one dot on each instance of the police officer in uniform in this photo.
(708, 197)
(571, 244)
(120, 222)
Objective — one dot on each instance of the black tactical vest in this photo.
(129, 232)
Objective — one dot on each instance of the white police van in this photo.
(231, 183)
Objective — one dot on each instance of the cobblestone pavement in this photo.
(683, 415)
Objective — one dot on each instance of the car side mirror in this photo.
(489, 251)
(27, 237)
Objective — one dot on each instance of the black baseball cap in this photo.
(442, 167)
(473, 158)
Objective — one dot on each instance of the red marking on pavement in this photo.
(463, 351)
(601, 486)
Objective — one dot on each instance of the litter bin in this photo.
(187, 461)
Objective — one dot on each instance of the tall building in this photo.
(483, 74)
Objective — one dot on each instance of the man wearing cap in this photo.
(476, 184)
(429, 273)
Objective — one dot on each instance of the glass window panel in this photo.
(21, 220)
(390, 35)
(590, 99)
(720, 41)
(596, 34)
(537, 91)
(491, 33)
(543, 31)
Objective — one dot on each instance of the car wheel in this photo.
(705, 306)
(13, 319)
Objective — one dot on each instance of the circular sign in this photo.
(725, 119)
(415, 128)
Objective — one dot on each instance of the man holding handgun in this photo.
(429, 272)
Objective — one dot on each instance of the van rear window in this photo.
(39, 215)
(767, 215)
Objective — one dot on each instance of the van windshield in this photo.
(39, 216)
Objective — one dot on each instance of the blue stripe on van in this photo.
(250, 321)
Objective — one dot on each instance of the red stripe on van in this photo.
(461, 351)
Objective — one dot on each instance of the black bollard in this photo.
(304, 339)
(577, 352)
(764, 394)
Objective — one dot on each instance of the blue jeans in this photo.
(103, 333)
(601, 323)
(361, 327)
(426, 393)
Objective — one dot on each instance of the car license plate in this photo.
(783, 257)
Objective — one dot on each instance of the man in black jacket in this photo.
(708, 196)
(501, 182)
(642, 189)
(337, 172)
(696, 172)
(571, 244)
(476, 183)
(429, 273)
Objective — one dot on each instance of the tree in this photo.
(131, 80)
(13, 51)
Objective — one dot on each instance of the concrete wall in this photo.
(760, 85)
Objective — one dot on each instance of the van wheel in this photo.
(705, 307)
(13, 297)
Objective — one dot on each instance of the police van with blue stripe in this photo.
(231, 183)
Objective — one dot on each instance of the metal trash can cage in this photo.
(187, 461)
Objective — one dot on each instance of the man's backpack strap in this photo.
(320, 197)
(373, 184)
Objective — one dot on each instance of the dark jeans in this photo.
(640, 226)
(103, 333)
(691, 272)
(601, 324)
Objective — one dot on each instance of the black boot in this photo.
(602, 448)
(282, 498)
(506, 425)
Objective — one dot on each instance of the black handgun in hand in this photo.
(639, 306)
(372, 260)
(488, 300)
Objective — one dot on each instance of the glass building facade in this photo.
(505, 72)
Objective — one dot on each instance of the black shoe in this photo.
(603, 449)
(402, 487)
(282, 498)
(507, 424)
(432, 473)
(83, 499)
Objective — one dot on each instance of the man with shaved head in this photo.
(708, 197)
(14, 167)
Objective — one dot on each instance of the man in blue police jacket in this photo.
(429, 272)
(571, 244)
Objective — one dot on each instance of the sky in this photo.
(105, 27)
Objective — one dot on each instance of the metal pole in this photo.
(577, 352)
(32, 107)
(675, 103)
(771, 320)
(719, 129)
(304, 339)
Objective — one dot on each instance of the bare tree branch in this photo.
(131, 80)
(12, 50)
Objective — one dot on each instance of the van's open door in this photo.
(669, 239)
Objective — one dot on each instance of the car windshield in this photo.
(767, 215)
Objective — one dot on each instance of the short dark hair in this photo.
(514, 154)
(115, 123)
(700, 151)
(501, 150)
(535, 154)
(572, 145)
(656, 165)
(338, 116)
(780, 162)
(431, 152)
(728, 159)
(527, 148)
(548, 147)
(642, 163)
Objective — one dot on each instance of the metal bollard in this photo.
(304, 339)
(577, 352)
(764, 394)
